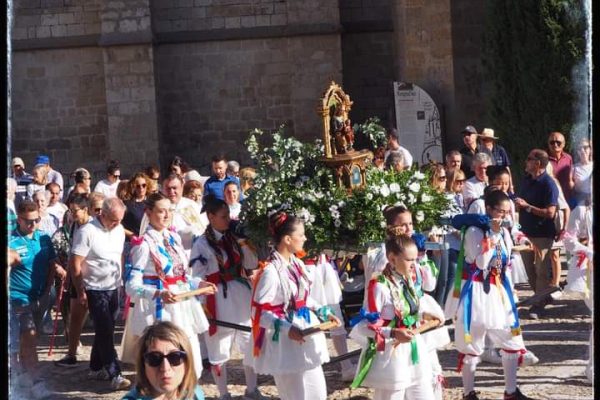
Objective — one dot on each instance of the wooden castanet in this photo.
(324, 326)
(196, 292)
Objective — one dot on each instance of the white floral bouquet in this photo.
(291, 178)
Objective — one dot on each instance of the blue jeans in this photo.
(445, 278)
(104, 306)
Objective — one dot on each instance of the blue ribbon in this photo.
(513, 306)
(168, 257)
(372, 317)
(466, 295)
(303, 312)
(159, 285)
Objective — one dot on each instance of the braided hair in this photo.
(282, 224)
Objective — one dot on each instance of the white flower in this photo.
(298, 184)
(384, 190)
(382, 224)
(419, 216)
(425, 198)
(337, 223)
(394, 187)
(414, 187)
(319, 195)
(411, 198)
(419, 175)
(333, 208)
(399, 204)
(341, 204)
(369, 196)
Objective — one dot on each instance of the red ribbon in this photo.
(521, 354)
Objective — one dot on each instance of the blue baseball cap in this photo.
(42, 159)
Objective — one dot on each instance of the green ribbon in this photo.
(459, 263)
(409, 321)
(324, 312)
(277, 324)
(365, 365)
(431, 265)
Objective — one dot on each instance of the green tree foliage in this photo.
(531, 48)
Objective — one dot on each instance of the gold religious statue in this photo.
(349, 165)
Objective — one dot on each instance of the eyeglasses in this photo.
(87, 179)
(98, 209)
(442, 178)
(155, 359)
(459, 181)
(500, 211)
(31, 221)
(143, 185)
(117, 176)
(555, 142)
(74, 210)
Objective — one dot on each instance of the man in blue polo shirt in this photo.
(216, 183)
(536, 202)
(32, 270)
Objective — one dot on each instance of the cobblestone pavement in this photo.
(559, 339)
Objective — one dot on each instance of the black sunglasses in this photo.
(31, 221)
(555, 142)
(155, 358)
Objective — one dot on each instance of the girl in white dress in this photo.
(395, 360)
(220, 257)
(486, 305)
(159, 266)
(281, 308)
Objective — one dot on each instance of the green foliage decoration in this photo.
(291, 178)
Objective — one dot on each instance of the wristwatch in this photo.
(528, 209)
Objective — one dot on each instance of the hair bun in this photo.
(276, 221)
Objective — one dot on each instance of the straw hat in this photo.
(488, 133)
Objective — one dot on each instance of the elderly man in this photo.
(453, 161)
(475, 185)
(469, 134)
(188, 219)
(55, 206)
(498, 155)
(562, 164)
(32, 269)
(22, 177)
(96, 269)
(536, 202)
(52, 175)
(393, 137)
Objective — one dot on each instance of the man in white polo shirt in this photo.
(96, 272)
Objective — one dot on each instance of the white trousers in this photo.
(307, 385)
(422, 390)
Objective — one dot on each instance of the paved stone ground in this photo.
(559, 339)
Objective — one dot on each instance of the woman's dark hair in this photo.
(81, 200)
(495, 197)
(493, 172)
(152, 170)
(397, 244)
(81, 175)
(178, 162)
(154, 198)
(112, 167)
(282, 224)
(213, 205)
(392, 212)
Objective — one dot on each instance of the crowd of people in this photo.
(165, 255)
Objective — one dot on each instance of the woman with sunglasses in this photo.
(158, 274)
(281, 307)
(137, 188)
(485, 304)
(582, 173)
(165, 366)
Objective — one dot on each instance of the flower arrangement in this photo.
(291, 178)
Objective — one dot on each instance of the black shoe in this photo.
(517, 395)
(471, 396)
(67, 361)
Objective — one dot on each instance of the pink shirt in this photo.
(562, 169)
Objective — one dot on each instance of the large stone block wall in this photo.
(368, 58)
(41, 19)
(59, 108)
(201, 15)
(212, 94)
